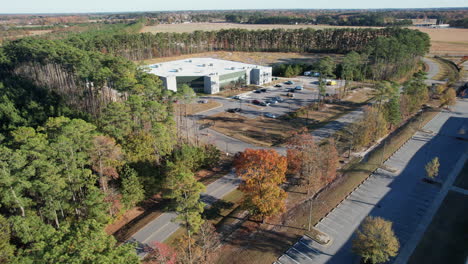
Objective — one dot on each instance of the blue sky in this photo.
(70, 6)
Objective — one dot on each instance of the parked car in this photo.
(289, 82)
(264, 90)
(279, 99)
(291, 90)
(234, 110)
(278, 85)
(298, 87)
(272, 101)
(264, 103)
(290, 95)
(203, 101)
(236, 97)
(257, 91)
(270, 115)
(256, 102)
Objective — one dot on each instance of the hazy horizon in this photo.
(112, 6)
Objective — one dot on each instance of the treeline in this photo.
(360, 19)
(259, 18)
(394, 104)
(146, 46)
(461, 23)
(384, 58)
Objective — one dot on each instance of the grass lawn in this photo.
(276, 236)
(462, 178)
(445, 240)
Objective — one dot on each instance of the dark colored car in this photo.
(257, 91)
(234, 110)
(264, 90)
(256, 102)
(278, 85)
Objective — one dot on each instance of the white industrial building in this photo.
(209, 75)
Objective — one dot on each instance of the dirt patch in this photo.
(191, 27)
(264, 131)
(195, 108)
(260, 58)
(359, 95)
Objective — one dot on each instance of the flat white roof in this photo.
(199, 67)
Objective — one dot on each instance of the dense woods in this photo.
(146, 46)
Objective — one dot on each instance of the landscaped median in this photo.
(277, 235)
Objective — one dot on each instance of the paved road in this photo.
(433, 70)
(164, 226)
(399, 196)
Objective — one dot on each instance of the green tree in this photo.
(6, 249)
(189, 207)
(132, 189)
(375, 240)
(85, 242)
(432, 168)
(392, 111)
(326, 67)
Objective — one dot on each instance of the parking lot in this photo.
(400, 196)
(301, 98)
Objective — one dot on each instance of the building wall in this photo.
(211, 84)
(195, 82)
(232, 78)
(261, 76)
(169, 82)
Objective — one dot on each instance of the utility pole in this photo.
(310, 215)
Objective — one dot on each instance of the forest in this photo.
(379, 19)
(86, 134)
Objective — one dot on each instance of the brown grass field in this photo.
(447, 41)
(260, 58)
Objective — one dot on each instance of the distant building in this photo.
(424, 22)
(441, 26)
(209, 75)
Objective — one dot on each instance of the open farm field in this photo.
(447, 41)
(190, 27)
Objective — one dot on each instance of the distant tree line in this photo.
(360, 19)
(146, 45)
(461, 23)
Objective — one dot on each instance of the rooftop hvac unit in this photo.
(233, 68)
(211, 64)
(176, 70)
(189, 60)
(203, 65)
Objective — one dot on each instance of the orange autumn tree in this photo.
(262, 171)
